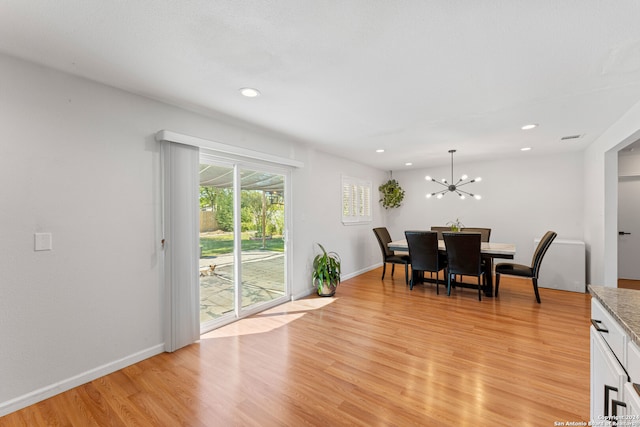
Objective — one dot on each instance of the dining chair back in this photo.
(529, 271)
(389, 256)
(439, 230)
(485, 233)
(464, 257)
(541, 250)
(424, 254)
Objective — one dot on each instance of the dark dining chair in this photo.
(424, 254)
(389, 256)
(464, 258)
(485, 233)
(529, 271)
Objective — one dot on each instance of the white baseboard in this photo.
(361, 271)
(310, 291)
(83, 378)
(303, 294)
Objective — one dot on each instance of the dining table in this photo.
(488, 251)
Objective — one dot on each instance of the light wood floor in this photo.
(629, 284)
(377, 354)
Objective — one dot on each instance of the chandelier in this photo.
(453, 187)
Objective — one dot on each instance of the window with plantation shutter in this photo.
(356, 200)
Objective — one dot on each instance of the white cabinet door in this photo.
(633, 404)
(607, 380)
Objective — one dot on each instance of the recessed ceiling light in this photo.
(379, 150)
(531, 126)
(409, 163)
(525, 149)
(249, 92)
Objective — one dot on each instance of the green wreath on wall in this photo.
(392, 194)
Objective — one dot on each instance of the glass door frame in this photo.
(239, 165)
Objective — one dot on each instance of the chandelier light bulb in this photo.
(462, 197)
(428, 178)
(439, 196)
(478, 197)
(478, 179)
(429, 195)
(463, 177)
(444, 180)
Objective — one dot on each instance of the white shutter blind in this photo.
(346, 200)
(356, 200)
(366, 201)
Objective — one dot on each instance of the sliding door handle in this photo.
(622, 233)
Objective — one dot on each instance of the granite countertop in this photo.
(623, 305)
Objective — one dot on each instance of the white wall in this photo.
(79, 160)
(629, 163)
(522, 198)
(317, 200)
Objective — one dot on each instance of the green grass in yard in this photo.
(223, 244)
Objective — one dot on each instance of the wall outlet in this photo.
(43, 241)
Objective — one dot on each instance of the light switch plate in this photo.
(43, 241)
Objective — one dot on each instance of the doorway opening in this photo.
(628, 213)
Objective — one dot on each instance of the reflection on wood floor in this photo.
(376, 354)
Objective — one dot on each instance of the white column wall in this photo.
(601, 197)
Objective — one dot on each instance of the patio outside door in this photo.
(243, 249)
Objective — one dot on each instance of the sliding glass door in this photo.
(217, 291)
(243, 220)
(262, 216)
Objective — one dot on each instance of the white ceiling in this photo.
(415, 78)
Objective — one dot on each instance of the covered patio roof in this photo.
(222, 177)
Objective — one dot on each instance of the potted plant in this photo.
(392, 194)
(326, 272)
(455, 225)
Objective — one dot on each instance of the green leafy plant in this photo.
(455, 225)
(392, 194)
(326, 272)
